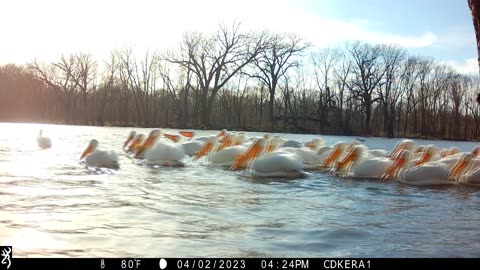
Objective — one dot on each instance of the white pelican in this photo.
(314, 144)
(325, 156)
(428, 155)
(223, 156)
(98, 158)
(430, 173)
(207, 147)
(273, 164)
(43, 142)
(471, 168)
(327, 159)
(358, 163)
(471, 178)
(163, 153)
(222, 133)
(228, 140)
(305, 153)
(135, 145)
(273, 143)
(451, 157)
(403, 144)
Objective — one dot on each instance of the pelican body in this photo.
(98, 158)
(43, 142)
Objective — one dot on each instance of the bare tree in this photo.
(389, 90)
(324, 63)
(367, 76)
(215, 59)
(274, 61)
(61, 76)
(84, 76)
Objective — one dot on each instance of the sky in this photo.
(46, 29)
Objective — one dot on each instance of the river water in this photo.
(53, 207)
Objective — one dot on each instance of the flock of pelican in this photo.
(272, 156)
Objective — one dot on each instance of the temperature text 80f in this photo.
(130, 264)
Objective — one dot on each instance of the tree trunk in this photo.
(475, 9)
(368, 115)
(270, 111)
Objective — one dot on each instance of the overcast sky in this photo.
(46, 29)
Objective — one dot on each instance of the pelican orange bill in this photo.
(207, 147)
(251, 153)
(188, 134)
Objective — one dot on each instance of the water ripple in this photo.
(205, 210)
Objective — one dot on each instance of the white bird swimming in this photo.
(43, 142)
(98, 158)
(315, 143)
(358, 163)
(471, 176)
(430, 173)
(327, 156)
(272, 164)
(164, 153)
(134, 145)
(224, 153)
(403, 144)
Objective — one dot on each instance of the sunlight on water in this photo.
(53, 207)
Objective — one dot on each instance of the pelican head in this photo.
(461, 166)
(149, 142)
(420, 149)
(227, 141)
(222, 133)
(408, 145)
(136, 143)
(400, 160)
(207, 147)
(403, 144)
(240, 138)
(314, 144)
(350, 158)
(255, 149)
(90, 148)
(335, 154)
(453, 151)
(273, 143)
(428, 154)
(476, 151)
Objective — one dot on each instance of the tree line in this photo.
(257, 81)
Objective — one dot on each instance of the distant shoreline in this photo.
(246, 130)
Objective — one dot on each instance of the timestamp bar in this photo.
(240, 263)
